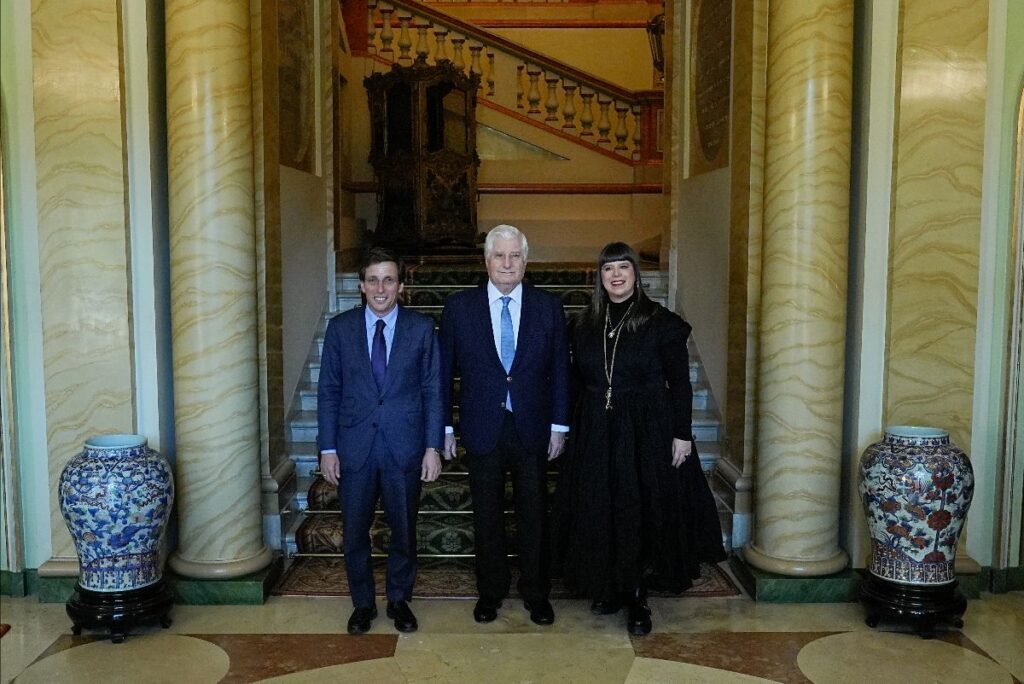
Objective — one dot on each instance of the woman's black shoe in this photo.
(605, 606)
(638, 622)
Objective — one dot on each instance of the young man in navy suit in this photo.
(380, 424)
(507, 341)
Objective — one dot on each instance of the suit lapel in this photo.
(398, 347)
(363, 352)
(483, 317)
(527, 314)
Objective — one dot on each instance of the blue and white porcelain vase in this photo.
(916, 487)
(116, 497)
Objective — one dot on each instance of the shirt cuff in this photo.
(329, 451)
(559, 428)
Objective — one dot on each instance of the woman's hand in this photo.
(681, 450)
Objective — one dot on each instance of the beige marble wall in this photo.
(83, 240)
(803, 287)
(937, 215)
(213, 288)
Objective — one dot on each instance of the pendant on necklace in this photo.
(611, 334)
(608, 399)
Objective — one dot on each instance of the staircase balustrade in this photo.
(518, 81)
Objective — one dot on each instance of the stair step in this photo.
(446, 534)
(308, 400)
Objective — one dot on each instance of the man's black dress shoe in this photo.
(541, 611)
(638, 622)
(400, 612)
(605, 606)
(361, 620)
(486, 610)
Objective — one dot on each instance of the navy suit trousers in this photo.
(527, 469)
(399, 493)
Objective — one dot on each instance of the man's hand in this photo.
(681, 450)
(330, 468)
(431, 465)
(555, 445)
(449, 446)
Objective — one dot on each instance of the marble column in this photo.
(803, 288)
(213, 289)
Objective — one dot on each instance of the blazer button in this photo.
(502, 404)
(508, 379)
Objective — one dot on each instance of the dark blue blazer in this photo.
(538, 380)
(407, 410)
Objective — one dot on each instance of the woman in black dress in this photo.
(636, 509)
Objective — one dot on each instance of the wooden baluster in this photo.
(458, 61)
(422, 49)
(587, 115)
(490, 74)
(604, 124)
(638, 136)
(568, 106)
(404, 39)
(386, 34)
(441, 51)
(552, 102)
(519, 86)
(474, 59)
(533, 96)
(621, 131)
(371, 28)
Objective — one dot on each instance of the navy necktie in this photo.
(379, 355)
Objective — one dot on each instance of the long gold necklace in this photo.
(613, 333)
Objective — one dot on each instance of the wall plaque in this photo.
(710, 64)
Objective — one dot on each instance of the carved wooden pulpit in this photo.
(423, 152)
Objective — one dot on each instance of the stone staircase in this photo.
(444, 528)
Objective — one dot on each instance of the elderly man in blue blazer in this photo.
(507, 341)
(380, 421)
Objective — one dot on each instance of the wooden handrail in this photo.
(524, 53)
(538, 188)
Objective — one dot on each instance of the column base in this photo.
(251, 589)
(221, 570)
(795, 567)
(767, 587)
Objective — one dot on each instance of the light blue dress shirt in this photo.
(371, 327)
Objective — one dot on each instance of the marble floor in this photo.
(302, 639)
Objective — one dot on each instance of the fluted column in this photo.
(213, 289)
(803, 288)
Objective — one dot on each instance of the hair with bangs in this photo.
(380, 255)
(643, 310)
(505, 232)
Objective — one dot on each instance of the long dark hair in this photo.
(643, 309)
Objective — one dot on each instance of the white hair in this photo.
(505, 232)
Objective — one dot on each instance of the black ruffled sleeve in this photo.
(672, 333)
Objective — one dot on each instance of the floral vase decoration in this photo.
(116, 497)
(916, 487)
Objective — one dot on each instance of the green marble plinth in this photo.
(1007, 579)
(771, 588)
(53, 589)
(12, 583)
(250, 589)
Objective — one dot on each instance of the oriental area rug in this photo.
(450, 578)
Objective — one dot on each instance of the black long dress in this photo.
(626, 517)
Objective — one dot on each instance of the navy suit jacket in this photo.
(407, 410)
(538, 379)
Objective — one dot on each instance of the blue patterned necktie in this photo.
(508, 344)
(379, 355)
